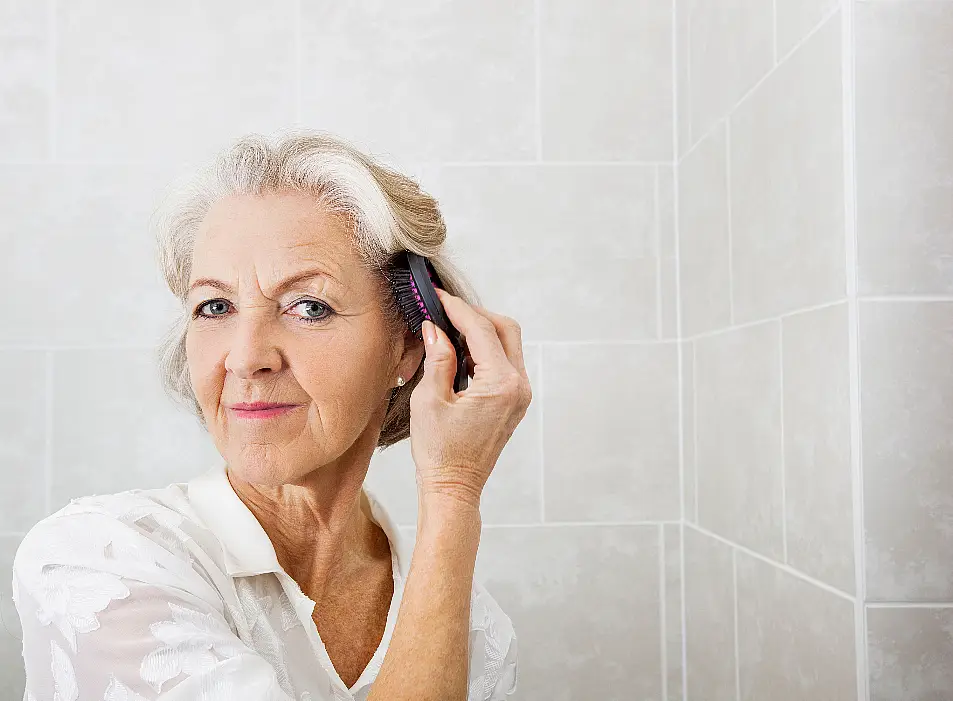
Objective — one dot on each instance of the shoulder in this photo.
(136, 534)
(493, 648)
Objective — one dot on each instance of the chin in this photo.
(260, 469)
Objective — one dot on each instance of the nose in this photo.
(252, 349)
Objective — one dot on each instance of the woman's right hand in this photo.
(457, 437)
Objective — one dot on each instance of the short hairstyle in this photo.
(385, 211)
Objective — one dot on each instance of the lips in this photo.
(258, 406)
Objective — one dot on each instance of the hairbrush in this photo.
(414, 279)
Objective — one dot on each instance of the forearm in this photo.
(428, 654)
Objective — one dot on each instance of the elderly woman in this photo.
(275, 575)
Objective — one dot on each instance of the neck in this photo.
(322, 534)
(320, 524)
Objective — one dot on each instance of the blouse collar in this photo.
(248, 549)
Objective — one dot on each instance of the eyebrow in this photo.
(282, 286)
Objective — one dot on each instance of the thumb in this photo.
(439, 363)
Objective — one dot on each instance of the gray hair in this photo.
(386, 213)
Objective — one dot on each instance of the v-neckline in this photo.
(377, 659)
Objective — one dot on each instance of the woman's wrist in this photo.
(448, 514)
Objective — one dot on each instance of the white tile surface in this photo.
(787, 185)
(610, 440)
(424, 81)
(606, 80)
(905, 147)
(171, 82)
(585, 603)
(738, 424)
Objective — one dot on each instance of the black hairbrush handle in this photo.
(418, 299)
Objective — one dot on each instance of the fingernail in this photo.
(430, 333)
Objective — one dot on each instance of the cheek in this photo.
(344, 376)
(204, 369)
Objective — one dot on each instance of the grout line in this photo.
(734, 584)
(774, 31)
(784, 467)
(537, 41)
(781, 566)
(542, 454)
(52, 123)
(848, 48)
(766, 320)
(662, 611)
(548, 163)
(299, 64)
(562, 524)
(688, 82)
(695, 426)
(814, 30)
(781, 60)
(48, 438)
(909, 605)
(658, 257)
(679, 348)
(905, 298)
(441, 164)
(731, 267)
(708, 132)
(682, 578)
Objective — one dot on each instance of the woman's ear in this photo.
(413, 356)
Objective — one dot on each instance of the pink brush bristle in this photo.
(409, 299)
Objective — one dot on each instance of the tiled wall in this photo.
(815, 219)
(546, 130)
(770, 599)
(736, 302)
(905, 286)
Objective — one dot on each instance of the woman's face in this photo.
(322, 343)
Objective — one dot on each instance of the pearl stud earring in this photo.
(400, 381)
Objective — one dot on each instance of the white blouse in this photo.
(176, 594)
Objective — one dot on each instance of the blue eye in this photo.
(199, 314)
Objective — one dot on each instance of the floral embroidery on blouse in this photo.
(135, 597)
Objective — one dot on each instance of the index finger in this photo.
(481, 337)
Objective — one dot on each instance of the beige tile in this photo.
(667, 244)
(610, 442)
(911, 654)
(512, 493)
(584, 602)
(57, 215)
(907, 429)
(795, 19)
(905, 147)
(606, 80)
(738, 424)
(23, 408)
(731, 49)
(12, 673)
(704, 253)
(688, 432)
(817, 445)
(787, 185)
(135, 438)
(25, 82)
(427, 80)
(673, 609)
(170, 82)
(709, 618)
(566, 272)
(795, 640)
